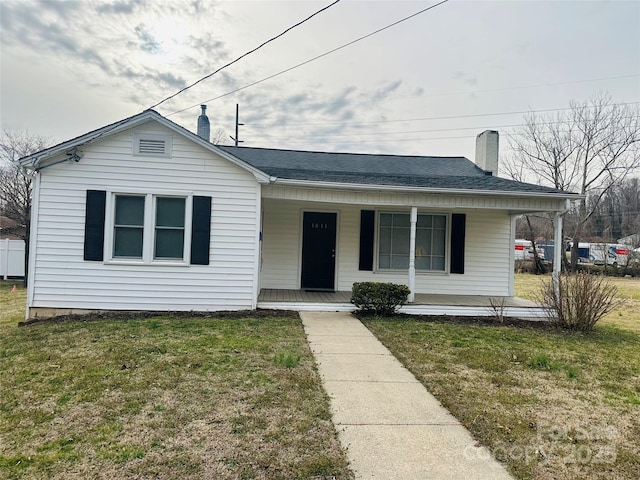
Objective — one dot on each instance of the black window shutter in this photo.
(200, 230)
(367, 232)
(94, 225)
(458, 221)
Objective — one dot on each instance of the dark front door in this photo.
(318, 251)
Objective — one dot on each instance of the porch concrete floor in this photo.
(303, 296)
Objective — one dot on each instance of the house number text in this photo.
(319, 226)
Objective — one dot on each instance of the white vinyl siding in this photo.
(62, 279)
(487, 264)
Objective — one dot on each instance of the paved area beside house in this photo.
(391, 426)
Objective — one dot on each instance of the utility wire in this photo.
(473, 92)
(244, 55)
(401, 132)
(448, 117)
(308, 61)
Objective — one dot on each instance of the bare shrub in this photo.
(581, 300)
(497, 307)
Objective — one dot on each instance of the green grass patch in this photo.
(288, 359)
(163, 397)
(513, 385)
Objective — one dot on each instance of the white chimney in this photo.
(487, 151)
(203, 124)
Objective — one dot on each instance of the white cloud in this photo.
(69, 67)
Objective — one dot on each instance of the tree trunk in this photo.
(575, 254)
(538, 264)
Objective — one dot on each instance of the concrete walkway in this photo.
(391, 426)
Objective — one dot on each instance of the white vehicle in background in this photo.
(615, 254)
(524, 250)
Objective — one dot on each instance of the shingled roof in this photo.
(455, 173)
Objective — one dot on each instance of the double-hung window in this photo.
(394, 238)
(150, 227)
(169, 228)
(128, 229)
(146, 228)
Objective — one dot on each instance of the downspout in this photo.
(557, 246)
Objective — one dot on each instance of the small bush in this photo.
(379, 298)
(581, 301)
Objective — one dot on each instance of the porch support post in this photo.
(412, 254)
(558, 251)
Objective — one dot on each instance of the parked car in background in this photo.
(524, 250)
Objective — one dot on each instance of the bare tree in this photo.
(589, 148)
(218, 136)
(16, 184)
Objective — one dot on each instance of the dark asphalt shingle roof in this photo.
(369, 169)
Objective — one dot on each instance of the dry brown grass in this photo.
(628, 316)
(171, 398)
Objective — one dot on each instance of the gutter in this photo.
(396, 188)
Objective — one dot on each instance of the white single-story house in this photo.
(145, 215)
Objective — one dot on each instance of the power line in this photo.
(448, 117)
(310, 60)
(244, 55)
(404, 140)
(400, 132)
(473, 92)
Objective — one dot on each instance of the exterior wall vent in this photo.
(151, 145)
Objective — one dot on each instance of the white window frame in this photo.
(148, 239)
(447, 244)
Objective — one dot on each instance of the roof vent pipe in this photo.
(487, 152)
(204, 127)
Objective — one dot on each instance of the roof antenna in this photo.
(237, 125)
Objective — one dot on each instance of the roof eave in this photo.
(450, 191)
(34, 161)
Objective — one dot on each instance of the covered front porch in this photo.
(423, 304)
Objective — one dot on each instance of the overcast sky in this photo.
(69, 67)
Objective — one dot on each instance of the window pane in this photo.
(385, 219)
(169, 243)
(384, 261)
(129, 210)
(128, 242)
(423, 242)
(425, 221)
(169, 212)
(400, 241)
(400, 261)
(438, 242)
(437, 263)
(423, 263)
(385, 240)
(439, 221)
(401, 220)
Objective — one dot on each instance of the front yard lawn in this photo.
(551, 404)
(170, 398)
